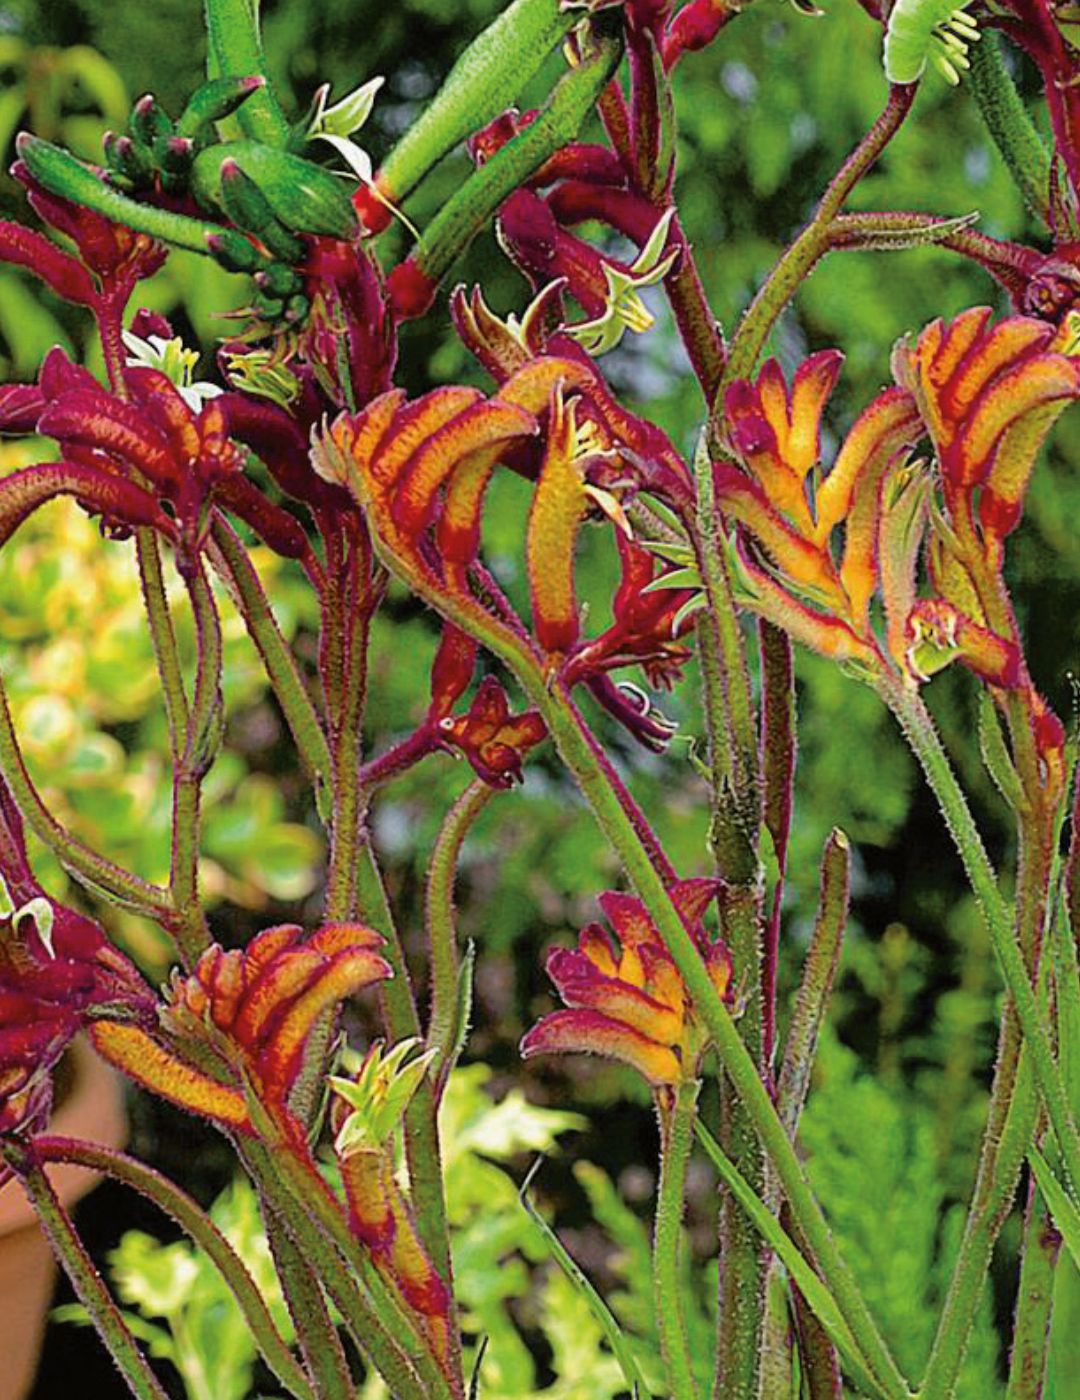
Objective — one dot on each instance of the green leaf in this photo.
(1062, 1206)
(810, 1285)
(576, 1276)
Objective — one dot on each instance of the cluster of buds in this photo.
(366, 1114)
(628, 1001)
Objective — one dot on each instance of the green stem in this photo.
(1010, 1124)
(236, 569)
(815, 987)
(316, 1334)
(812, 244)
(919, 730)
(88, 1284)
(235, 51)
(99, 875)
(564, 724)
(1007, 121)
(402, 1021)
(346, 836)
(734, 836)
(163, 637)
(375, 1317)
(194, 1221)
(443, 960)
(1034, 1303)
(189, 765)
(669, 1288)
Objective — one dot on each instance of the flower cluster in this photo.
(627, 1000)
(235, 1031)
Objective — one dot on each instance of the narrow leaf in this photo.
(817, 1295)
(1062, 1206)
(599, 1309)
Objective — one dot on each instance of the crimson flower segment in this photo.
(625, 998)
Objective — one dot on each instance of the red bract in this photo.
(646, 623)
(117, 256)
(57, 972)
(239, 1025)
(628, 1001)
(348, 328)
(493, 740)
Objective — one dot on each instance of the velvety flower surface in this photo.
(625, 999)
(241, 1022)
(788, 508)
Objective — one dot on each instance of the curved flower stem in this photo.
(813, 242)
(195, 1223)
(345, 749)
(676, 1142)
(99, 875)
(109, 316)
(565, 726)
(231, 561)
(919, 730)
(443, 961)
(392, 762)
(698, 327)
(162, 636)
(189, 767)
(88, 1284)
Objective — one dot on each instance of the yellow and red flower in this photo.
(366, 1113)
(238, 1027)
(626, 1000)
(989, 395)
(788, 510)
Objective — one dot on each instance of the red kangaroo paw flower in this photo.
(628, 1002)
(493, 740)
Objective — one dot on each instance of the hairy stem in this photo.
(88, 1284)
(236, 569)
(677, 1140)
(564, 723)
(919, 730)
(788, 274)
(443, 961)
(198, 1226)
(1034, 1303)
